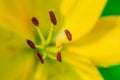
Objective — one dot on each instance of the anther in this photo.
(39, 58)
(52, 17)
(68, 34)
(35, 21)
(59, 56)
(30, 43)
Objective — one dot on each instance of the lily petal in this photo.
(102, 43)
(53, 70)
(83, 66)
(15, 15)
(83, 16)
(16, 67)
(16, 61)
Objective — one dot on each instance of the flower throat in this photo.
(44, 43)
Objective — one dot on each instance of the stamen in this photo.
(41, 35)
(59, 57)
(52, 17)
(49, 35)
(39, 57)
(68, 34)
(31, 44)
(35, 21)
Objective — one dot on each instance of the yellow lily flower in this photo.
(74, 40)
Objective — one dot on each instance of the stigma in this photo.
(45, 49)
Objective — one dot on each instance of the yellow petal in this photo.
(16, 67)
(82, 66)
(83, 15)
(53, 70)
(102, 44)
(16, 60)
(15, 15)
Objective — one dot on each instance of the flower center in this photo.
(45, 49)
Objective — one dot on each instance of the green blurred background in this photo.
(112, 8)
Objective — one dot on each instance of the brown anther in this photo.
(35, 21)
(59, 56)
(30, 43)
(68, 34)
(39, 58)
(52, 17)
